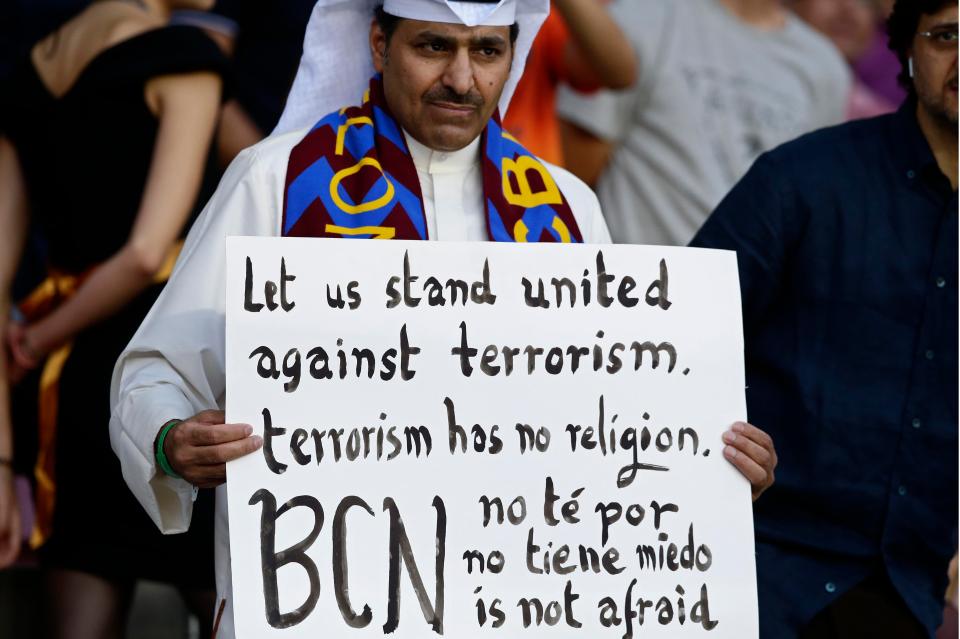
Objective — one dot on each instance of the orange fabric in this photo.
(46, 449)
(532, 116)
(52, 292)
(56, 289)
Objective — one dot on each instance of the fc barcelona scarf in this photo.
(353, 176)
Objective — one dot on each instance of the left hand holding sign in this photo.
(198, 449)
(752, 451)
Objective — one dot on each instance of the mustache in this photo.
(449, 96)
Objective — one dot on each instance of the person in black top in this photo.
(847, 245)
(104, 133)
(23, 22)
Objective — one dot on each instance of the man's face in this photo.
(935, 65)
(442, 81)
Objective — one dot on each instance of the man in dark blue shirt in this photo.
(847, 245)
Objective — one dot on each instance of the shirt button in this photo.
(911, 174)
(830, 587)
(929, 355)
(941, 282)
(902, 491)
(916, 423)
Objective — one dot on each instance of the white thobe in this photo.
(174, 366)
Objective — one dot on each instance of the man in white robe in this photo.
(175, 365)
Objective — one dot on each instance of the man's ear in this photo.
(378, 46)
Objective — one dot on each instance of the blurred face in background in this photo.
(934, 56)
(850, 24)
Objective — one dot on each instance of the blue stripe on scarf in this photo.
(389, 129)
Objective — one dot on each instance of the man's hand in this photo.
(751, 450)
(10, 531)
(198, 449)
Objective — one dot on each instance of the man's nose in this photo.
(458, 75)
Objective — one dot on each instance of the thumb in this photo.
(212, 417)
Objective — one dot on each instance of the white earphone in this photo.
(910, 66)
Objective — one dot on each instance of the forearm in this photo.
(599, 43)
(13, 221)
(236, 132)
(6, 427)
(107, 290)
(586, 155)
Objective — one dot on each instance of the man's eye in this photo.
(947, 37)
(489, 52)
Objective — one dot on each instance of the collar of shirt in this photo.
(452, 188)
(916, 157)
(434, 162)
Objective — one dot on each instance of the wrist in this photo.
(160, 448)
(22, 351)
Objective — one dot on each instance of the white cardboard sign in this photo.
(484, 439)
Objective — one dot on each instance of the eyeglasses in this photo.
(942, 38)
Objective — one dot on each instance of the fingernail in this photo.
(248, 430)
(738, 427)
(730, 452)
(729, 437)
(258, 441)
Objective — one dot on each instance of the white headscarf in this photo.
(336, 66)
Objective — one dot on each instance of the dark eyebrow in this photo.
(452, 41)
(483, 42)
(944, 25)
(430, 36)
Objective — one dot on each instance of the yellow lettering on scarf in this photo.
(562, 229)
(526, 197)
(378, 232)
(342, 131)
(520, 230)
(363, 207)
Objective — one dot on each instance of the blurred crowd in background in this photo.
(619, 93)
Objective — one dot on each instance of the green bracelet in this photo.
(162, 460)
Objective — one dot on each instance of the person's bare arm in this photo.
(599, 50)
(585, 154)
(236, 132)
(13, 221)
(187, 107)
